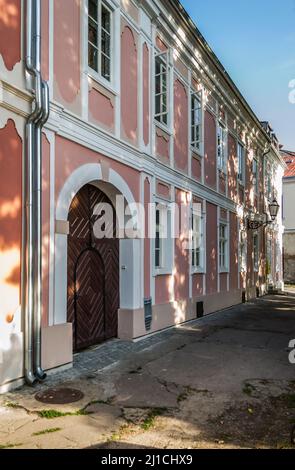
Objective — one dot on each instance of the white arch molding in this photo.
(131, 296)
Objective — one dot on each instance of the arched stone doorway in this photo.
(93, 273)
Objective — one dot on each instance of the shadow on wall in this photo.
(10, 220)
(10, 27)
(10, 252)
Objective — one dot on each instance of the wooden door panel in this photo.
(93, 273)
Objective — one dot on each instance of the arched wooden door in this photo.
(93, 273)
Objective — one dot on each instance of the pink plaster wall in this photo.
(232, 168)
(70, 156)
(45, 227)
(181, 277)
(67, 49)
(211, 280)
(222, 183)
(10, 32)
(163, 190)
(196, 168)
(162, 289)
(223, 282)
(146, 94)
(161, 44)
(129, 84)
(234, 252)
(162, 145)
(101, 109)
(147, 242)
(197, 285)
(250, 266)
(10, 219)
(180, 126)
(210, 150)
(45, 39)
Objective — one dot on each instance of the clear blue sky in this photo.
(255, 42)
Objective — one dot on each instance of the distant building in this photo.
(289, 216)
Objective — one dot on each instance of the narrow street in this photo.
(224, 381)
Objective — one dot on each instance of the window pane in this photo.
(92, 8)
(92, 32)
(106, 43)
(105, 19)
(158, 104)
(105, 67)
(92, 57)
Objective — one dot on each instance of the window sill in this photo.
(109, 86)
(163, 127)
(197, 271)
(197, 152)
(224, 271)
(162, 272)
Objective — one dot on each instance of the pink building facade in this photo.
(140, 108)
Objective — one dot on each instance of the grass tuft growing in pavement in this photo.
(46, 431)
(10, 446)
(51, 414)
(150, 419)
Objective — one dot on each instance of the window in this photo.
(196, 123)
(161, 88)
(163, 243)
(256, 251)
(241, 163)
(100, 38)
(243, 251)
(221, 148)
(158, 238)
(223, 245)
(255, 175)
(197, 241)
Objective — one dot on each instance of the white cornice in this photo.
(86, 134)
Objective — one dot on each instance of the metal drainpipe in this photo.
(31, 277)
(38, 263)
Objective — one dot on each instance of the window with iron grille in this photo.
(196, 120)
(197, 241)
(161, 88)
(100, 37)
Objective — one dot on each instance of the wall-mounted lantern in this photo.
(273, 208)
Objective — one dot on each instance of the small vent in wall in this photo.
(200, 309)
(148, 313)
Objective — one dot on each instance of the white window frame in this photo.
(221, 147)
(256, 252)
(197, 242)
(241, 163)
(97, 73)
(159, 117)
(223, 241)
(165, 238)
(196, 126)
(243, 251)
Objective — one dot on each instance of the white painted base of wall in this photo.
(131, 322)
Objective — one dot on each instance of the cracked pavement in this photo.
(223, 381)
